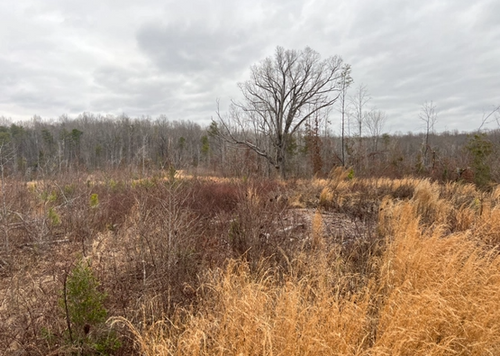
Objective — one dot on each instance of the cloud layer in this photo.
(176, 58)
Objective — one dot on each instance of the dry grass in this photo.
(430, 291)
(438, 295)
(207, 267)
(253, 313)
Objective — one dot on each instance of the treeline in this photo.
(91, 142)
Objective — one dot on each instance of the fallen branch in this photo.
(41, 243)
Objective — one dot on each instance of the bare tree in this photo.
(358, 101)
(428, 115)
(282, 93)
(345, 82)
(6, 155)
(374, 122)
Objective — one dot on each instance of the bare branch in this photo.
(487, 117)
(282, 93)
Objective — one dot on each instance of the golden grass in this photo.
(257, 315)
(317, 230)
(428, 202)
(432, 292)
(440, 295)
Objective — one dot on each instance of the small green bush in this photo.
(83, 306)
(94, 200)
(54, 218)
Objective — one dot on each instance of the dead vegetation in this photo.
(200, 267)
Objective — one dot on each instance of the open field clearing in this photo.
(183, 265)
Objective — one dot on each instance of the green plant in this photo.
(350, 176)
(83, 306)
(205, 146)
(69, 190)
(113, 184)
(54, 218)
(94, 200)
(48, 197)
(481, 148)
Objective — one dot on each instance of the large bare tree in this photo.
(282, 93)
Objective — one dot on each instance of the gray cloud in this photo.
(155, 57)
(193, 48)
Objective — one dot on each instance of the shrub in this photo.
(82, 303)
(480, 148)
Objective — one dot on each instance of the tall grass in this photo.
(430, 291)
(437, 294)
(254, 313)
(204, 267)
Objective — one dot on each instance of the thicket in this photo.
(42, 149)
(172, 264)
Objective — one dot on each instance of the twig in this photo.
(65, 297)
(38, 243)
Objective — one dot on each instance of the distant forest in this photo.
(41, 148)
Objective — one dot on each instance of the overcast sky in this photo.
(153, 57)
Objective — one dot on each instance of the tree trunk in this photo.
(281, 162)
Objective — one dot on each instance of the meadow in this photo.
(174, 264)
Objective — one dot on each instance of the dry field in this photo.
(191, 266)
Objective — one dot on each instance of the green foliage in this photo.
(350, 175)
(83, 305)
(76, 135)
(54, 218)
(47, 137)
(480, 147)
(4, 135)
(48, 336)
(205, 145)
(386, 139)
(145, 183)
(115, 185)
(69, 190)
(17, 131)
(182, 143)
(213, 130)
(98, 150)
(291, 145)
(85, 301)
(94, 200)
(48, 197)
(112, 183)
